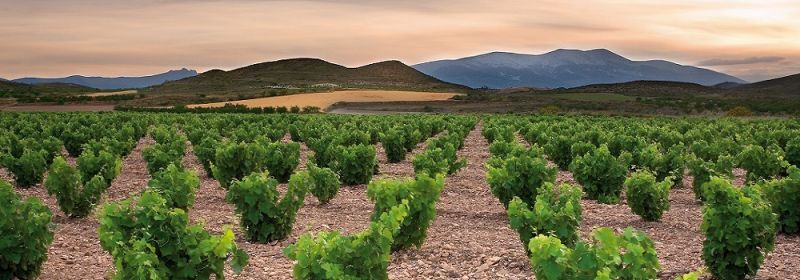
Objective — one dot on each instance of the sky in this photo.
(751, 39)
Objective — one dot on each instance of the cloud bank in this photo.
(125, 38)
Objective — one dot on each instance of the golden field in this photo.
(326, 99)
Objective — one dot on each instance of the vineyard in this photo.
(130, 195)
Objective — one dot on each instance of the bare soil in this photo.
(470, 238)
(326, 99)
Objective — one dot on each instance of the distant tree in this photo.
(739, 111)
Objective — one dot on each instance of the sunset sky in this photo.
(754, 40)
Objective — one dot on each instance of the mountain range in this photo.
(305, 73)
(114, 83)
(564, 69)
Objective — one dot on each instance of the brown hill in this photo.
(13, 88)
(305, 73)
(788, 86)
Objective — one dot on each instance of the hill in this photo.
(14, 88)
(788, 86)
(650, 89)
(563, 69)
(305, 73)
(115, 83)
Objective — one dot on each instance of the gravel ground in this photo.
(470, 238)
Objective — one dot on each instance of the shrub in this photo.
(503, 149)
(281, 160)
(435, 161)
(519, 176)
(499, 132)
(601, 174)
(233, 161)
(557, 212)
(784, 196)
(735, 252)
(393, 143)
(149, 240)
(75, 198)
(265, 217)
(325, 183)
(26, 232)
(206, 151)
(176, 186)
(703, 171)
(739, 111)
(761, 164)
(421, 194)
(628, 256)
(28, 169)
(365, 255)
(662, 165)
(448, 144)
(559, 150)
(355, 164)
(102, 163)
(581, 148)
(159, 156)
(646, 197)
(793, 151)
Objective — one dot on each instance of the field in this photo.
(471, 236)
(121, 92)
(326, 99)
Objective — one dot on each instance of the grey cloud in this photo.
(741, 61)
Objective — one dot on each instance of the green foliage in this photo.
(28, 169)
(502, 149)
(233, 161)
(703, 171)
(393, 142)
(557, 212)
(559, 150)
(519, 176)
(784, 196)
(499, 133)
(206, 151)
(444, 148)
(266, 217)
(421, 194)
(75, 198)
(646, 197)
(739, 227)
(365, 255)
(581, 148)
(150, 240)
(601, 174)
(434, 161)
(282, 159)
(325, 183)
(26, 232)
(793, 151)
(629, 256)
(102, 163)
(662, 165)
(761, 164)
(355, 164)
(158, 156)
(177, 186)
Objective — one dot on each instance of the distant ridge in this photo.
(115, 83)
(306, 73)
(564, 69)
(10, 87)
(786, 86)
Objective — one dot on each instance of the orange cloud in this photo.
(115, 37)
